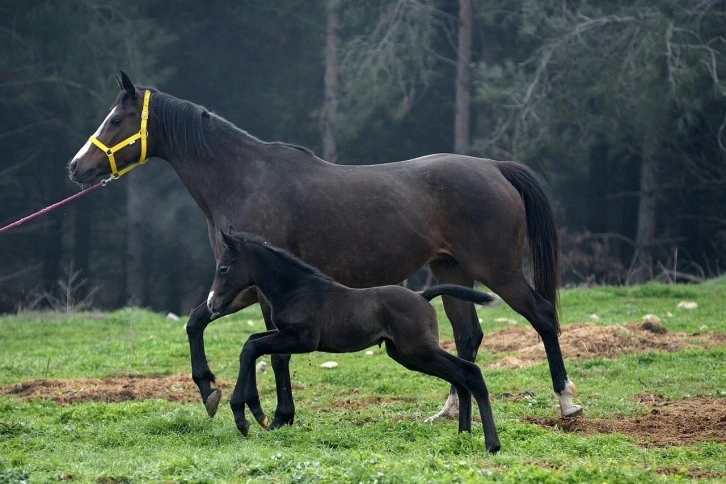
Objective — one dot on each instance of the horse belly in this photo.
(347, 333)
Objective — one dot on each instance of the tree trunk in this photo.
(136, 269)
(330, 107)
(645, 234)
(597, 203)
(463, 79)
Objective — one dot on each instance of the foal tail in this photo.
(544, 242)
(459, 292)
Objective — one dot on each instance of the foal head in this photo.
(231, 277)
(120, 141)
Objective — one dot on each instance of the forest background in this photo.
(619, 105)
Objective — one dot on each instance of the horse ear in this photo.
(231, 231)
(118, 81)
(229, 240)
(127, 85)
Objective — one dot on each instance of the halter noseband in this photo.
(142, 135)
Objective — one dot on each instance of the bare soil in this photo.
(583, 341)
(175, 388)
(667, 422)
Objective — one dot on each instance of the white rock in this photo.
(669, 314)
(687, 305)
(703, 327)
(250, 322)
(369, 352)
(651, 318)
(261, 367)
(509, 321)
(329, 364)
(594, 317)
(172, 317)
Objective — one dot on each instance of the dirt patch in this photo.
(361, 403)
(688, 472)
(668, 422)
(175, 388)
(582, 341)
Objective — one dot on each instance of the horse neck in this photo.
(218, 183)
(274, 275)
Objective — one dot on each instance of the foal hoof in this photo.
(279, 422)
(264, 422)
(572, 412)
(493, 449)
(244, 427)
(211, 403)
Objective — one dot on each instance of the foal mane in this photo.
(249, 238)
(180, 123)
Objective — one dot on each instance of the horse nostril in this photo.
(73, 165)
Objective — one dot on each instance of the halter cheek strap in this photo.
(142, 135)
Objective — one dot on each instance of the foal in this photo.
(312, 312)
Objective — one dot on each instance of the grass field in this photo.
(362, 421)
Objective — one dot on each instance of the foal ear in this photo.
(231, 231)
(229, 240)
(127, 85)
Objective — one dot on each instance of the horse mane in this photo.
(249, 238)
(293, 146)
(180, 123)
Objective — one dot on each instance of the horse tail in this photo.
(544, 241)
(459, 292)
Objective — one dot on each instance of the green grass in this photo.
(372, 442)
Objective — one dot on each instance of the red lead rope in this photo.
(50, 207)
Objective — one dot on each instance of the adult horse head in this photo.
(121, 141)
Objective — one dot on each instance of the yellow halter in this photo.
(142, 135)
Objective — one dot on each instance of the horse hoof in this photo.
(573, 412)
(449, 410)
(493, 449)
(244, 427)
(265, 422)
(280, 422)
(212, 402)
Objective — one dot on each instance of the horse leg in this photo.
(245, 392)
(238, 399)
(467, 334)
(201, 374)
(433, 360)
(285, 411)
(540, 313)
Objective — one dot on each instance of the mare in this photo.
(312, 312)
(466, 217)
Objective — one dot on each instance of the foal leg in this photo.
(201, 374)
(269, 342)
(540, 313)
(467, 333)
(463, 374)
(285, 411)
(245, 379)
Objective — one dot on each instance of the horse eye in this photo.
(223, 269)
(116, 122)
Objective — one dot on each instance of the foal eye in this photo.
(116, 122)
(223, 269)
